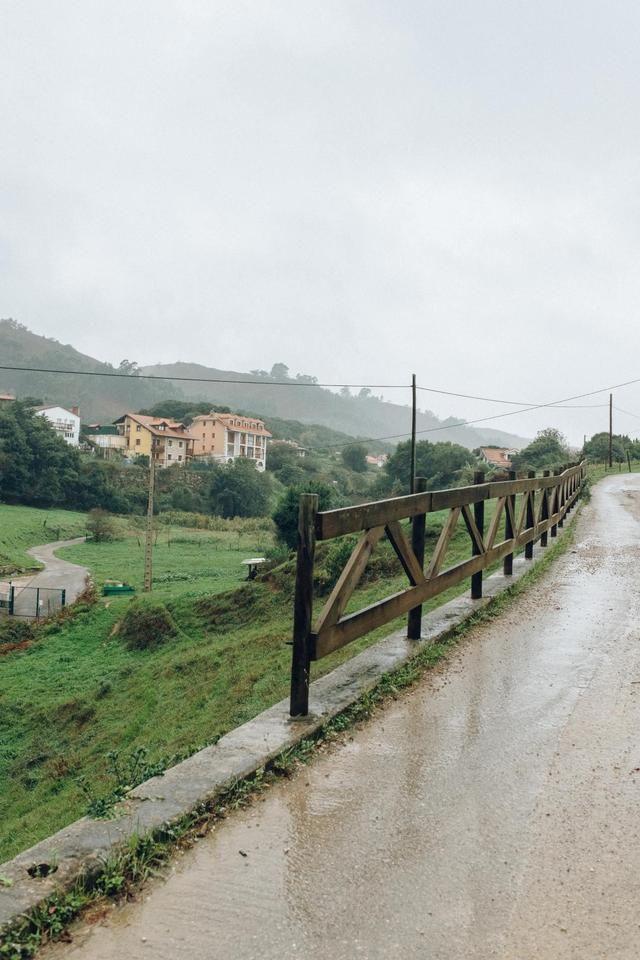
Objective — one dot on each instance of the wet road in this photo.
(57, 573)
(491, 812)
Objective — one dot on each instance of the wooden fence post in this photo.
(507, 565)
(418, 527)
(531, 517)
(303, 605)
(478, 516)
(554, 528)
(563, 500)
(545, 509)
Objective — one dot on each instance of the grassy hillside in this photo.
(88, 694)
(184, 560)
(24, 527)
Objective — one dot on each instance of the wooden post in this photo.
(418, 526)
(303, 605)
(554, 528)
(37, 603)
(412, 478)
(507, 565)
(478, 516)
(148, 542)
(629, 460)
(63, 598)
(12, 599)
(531, 516)
(563, 500)
(610, 430)
(545, 509)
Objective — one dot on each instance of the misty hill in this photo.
(99, 398)
(105, 398)
(362, 415)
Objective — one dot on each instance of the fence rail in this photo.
(543, 504)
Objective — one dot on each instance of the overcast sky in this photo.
(359, 189)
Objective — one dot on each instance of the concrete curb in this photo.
(81, 848)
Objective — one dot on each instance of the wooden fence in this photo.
(526, 510)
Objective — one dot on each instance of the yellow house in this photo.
(224, 437)
(167, 440)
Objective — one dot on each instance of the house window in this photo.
(170, 443)
(180, 456)
(138, 428)
(169, 457)
(138, 442)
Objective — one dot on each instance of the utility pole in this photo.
(412, 478)
(148, 543)
(610, 430)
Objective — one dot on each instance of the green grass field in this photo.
(24, 527)
(78, 692)
(184, 560)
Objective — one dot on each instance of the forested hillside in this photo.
(362, 414)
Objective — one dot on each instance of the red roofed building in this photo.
(498, 457)
(168, 441)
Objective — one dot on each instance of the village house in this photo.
(167, 441)
(224, 437)
(378, 460)
(498, 457)
(65, 422)
(105, 438)
(6, 397)
(300, 451)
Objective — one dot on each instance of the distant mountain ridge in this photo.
(105, 398)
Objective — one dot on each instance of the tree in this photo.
(285, 516)
(239, 490)
(440, 463)
(36, 465)
(306, 378)
(597, 448)
(354, 456)
(102, 526)
(549, 449)
(130, 367)
(280, 371)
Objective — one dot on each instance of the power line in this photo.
(257, 382)
(497, 416)
(295, 383)
(628, 412)
(514, 403)
(286, 383)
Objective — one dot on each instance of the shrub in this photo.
(147, 625)
(285, 516)
(102, 526)
(337, 555)
(15, 631)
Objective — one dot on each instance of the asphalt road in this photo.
(57, 573)
(491, 812)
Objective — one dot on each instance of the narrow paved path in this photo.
(57, 573)
(491, 812)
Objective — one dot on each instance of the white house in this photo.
(65, 422)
